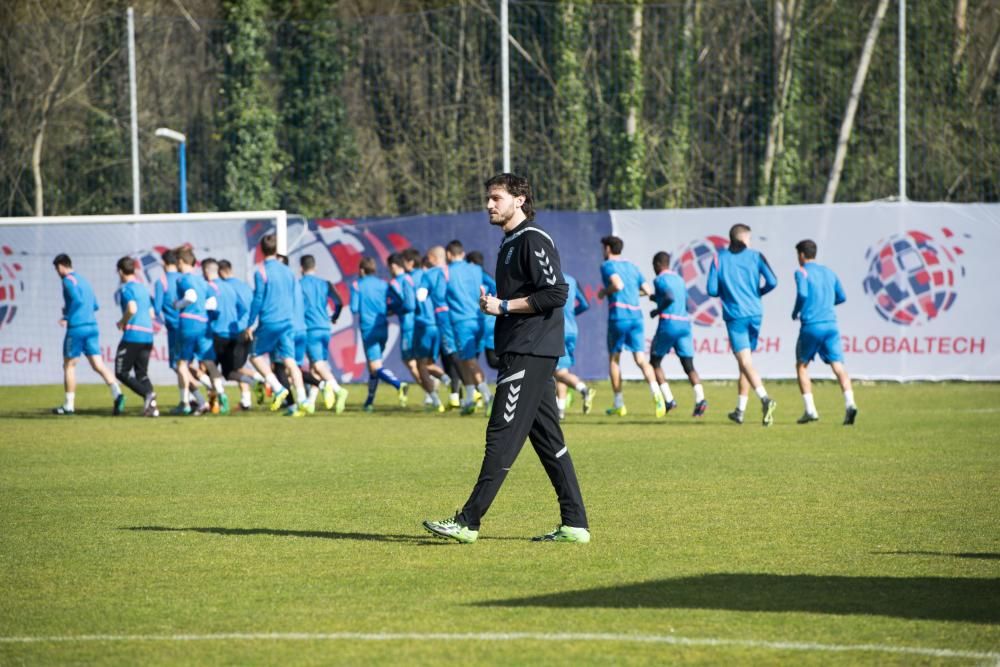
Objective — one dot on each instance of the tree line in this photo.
(364, 108)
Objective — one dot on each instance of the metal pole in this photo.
(505, 82)
(181, 153)
(902, 100)
(136, 206)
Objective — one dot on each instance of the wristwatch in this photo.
(503, 307)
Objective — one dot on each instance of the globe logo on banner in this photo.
(11, 286)
(692, 263)
(911, 276)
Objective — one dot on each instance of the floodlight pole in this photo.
(181, 140)
(505, 82)
(136, 205)
(902, 101)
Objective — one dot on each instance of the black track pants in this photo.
(525, 407)
(134, 356)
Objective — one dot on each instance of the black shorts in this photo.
(231, 354)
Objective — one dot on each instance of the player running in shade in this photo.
(735, 276)
(316, 293)
(673, 332)
(529, 338)
(465, 284)
(82, 336)
(136, 325)
(623, 283)
(817, 291)
(576, 303)
(274, 303)
(371, 299)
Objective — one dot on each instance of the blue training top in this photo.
(735, 276)
(404, 297)
(623, 304)
(369, 301)
(670, 296)
(193, 315)
(424, 312)
(273, 295)
(139, 328)
(224, 321)
(817, 291)
(164, 297)
(576, 303)
(79, 300)
(298, 308)
(464, 282)
(315, 292)
(436, 279)
(244, 296)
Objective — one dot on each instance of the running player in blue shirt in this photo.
(163, 302)
(673, 331)
(406, 294)
(193, 304)
(436, 279)
(489, 322)
(82, 336)
(273, 304)
(735, 276)
(236, 351)
(136, 325)
(576, 303)
(224, 327)
(817, 291)
(426, 337)
(464, 287)
(623, 283)
(370, 302)
(316, 294)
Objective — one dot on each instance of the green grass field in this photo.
(137, 541)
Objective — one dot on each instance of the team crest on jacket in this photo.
(510, 253)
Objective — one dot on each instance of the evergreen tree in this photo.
(571, 185)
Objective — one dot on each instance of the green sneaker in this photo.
(329, 396)
(621, 412)
(341, 401)
(468, 409)
(565, 534)
(452, 530)
(368, 407)
(767, 406)
(569, 398)
(279, 400)
(588, 400)
(660, 405)
(223, 404)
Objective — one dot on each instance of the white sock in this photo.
(435, 382)
(148, 400)
(220, 385)
(435, 399)
(272, 382)
(257, 377)
(116, 391)
(741, 403)
(761, 392)
(300, 392)
(470, 391)
(198, 396)
(667, 394)
(619, 399)
(654, 389)
(313, 393)
(453, 396)
(70, 401)
(185, 396)
(849, 399)
(699, 393)
(205, 380)
(332, 382)
(581, 387)
(484, 389)
(810, 403)
(560, 403)
(244, 397)
(446, 381)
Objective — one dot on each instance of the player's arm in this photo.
(770, 280)
(801, 293)
(338, 303)
(128, 312)
(67, 300)
(259, 290)
(712, 284)
(839, 296)
(439, 297)
(355, 298)
(188, 294)
(580, 302)
(489, 283)
(612, 283)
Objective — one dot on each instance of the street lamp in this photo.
(174, 135)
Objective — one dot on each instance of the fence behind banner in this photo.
(916, 277)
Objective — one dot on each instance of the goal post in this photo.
(31, 298)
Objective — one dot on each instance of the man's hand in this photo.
(601, 293)
(488, 303)
(62, 322)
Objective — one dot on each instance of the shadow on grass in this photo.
(423, 540)
(923, 598)
(984, 555)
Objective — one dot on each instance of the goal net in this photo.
(31, 299)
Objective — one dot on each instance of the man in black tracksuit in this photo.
(530, 296)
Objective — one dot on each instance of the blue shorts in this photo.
(374, 343)
(318, 346)
(406, 345)
(569, 359)
(278, 342)
(299, 338)
(468, 338)
(626, 335)
(83, 339)
(426, 342)
(822, 338)
(195, 344)
(447, 336)
(173, 347)
(743, 333)
(672, 336)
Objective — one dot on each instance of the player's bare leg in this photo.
(662, 404)
(426, 368)
(565, 380)
(749, 378)
(475, 380)
(850, 408)
(615, 373)
(805, 387)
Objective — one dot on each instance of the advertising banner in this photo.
(917, 276)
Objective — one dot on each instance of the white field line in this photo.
(514, 637)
